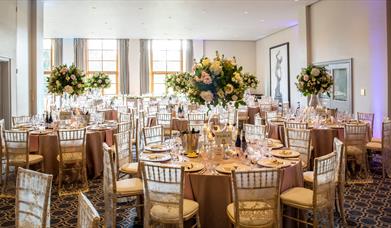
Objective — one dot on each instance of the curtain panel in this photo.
(189, 56)
(144, 66)
(57, 50)
(80, 52)
(123, 65)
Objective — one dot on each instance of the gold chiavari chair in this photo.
(299, 140)
(164, 197)
(318, 200)
(124, 117)
(17, 152)
(355, 140)
(153, 135)
(196, 118)
(339, 177)
(20, 120)
(165, 120)
(72, 156)
(256, 198)
(124, 127)
(2, 149)
(123, 153)
(383, 147)
(135, 131)
(293, 125)
(192, 107)
(32, 203)
(87, 216)
(254, 131)
(122, 109)
(369, 119)
(152, 110)
(114, 188)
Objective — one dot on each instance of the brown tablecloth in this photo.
(321, 138)
(214, 193)
(111, 114)
(47, 145)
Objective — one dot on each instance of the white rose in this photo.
(99, 81)
(207, 96)
(73, 77)
(315, 71)
(234, 98)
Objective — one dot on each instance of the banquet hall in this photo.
(195, 113)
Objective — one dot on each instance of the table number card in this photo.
(223, 137)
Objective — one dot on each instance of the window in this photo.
(47, 60)
(166, 59)
(102, 57)
(47, 56)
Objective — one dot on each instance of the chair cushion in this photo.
(130, 168)
(70, 157)
(376, 146)
(376, 140)
(252, 218)
(299, 197)
(130, 186)
(308, 176)
(33, 159)
(354, 150)
(166, 212)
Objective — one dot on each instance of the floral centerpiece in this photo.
(99, 80)
(179, 82)
(215, 82)
(314, 80)
(70, 80)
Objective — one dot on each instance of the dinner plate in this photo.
(285, 153)
(273, 163)
(274, 144)
(193, 166)
(157, 148)
(227, 168)
(155, 157)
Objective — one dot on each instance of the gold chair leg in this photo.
(331, 216)
(60, 180)
(7, 171)
(341, 200)
(198, 220)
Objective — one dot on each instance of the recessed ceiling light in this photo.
(93, 7)
(245, 12)
(140, 8)
(105, 22)
(203, 11)
(296, 0)
(262, 20)
(170, 17)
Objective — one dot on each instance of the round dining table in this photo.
(213, 190)
(46, 144)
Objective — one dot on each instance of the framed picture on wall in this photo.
(279, 72)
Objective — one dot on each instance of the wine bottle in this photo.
(238, 141)
(244, 143)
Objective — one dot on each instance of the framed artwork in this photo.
(279, 72)
(341, 95)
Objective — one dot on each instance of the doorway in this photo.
(5, 91)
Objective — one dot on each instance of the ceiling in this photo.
(169, 19)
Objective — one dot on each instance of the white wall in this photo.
(355, 29)
(244, 52)
(8, 42)
(293, 36)
(22, 58)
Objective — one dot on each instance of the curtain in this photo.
(123, 65)
(80, 50)
(144, 66)
(189, 55)
(57, 51)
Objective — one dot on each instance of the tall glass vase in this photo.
(314, 101)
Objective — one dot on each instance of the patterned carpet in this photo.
(366, 206)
